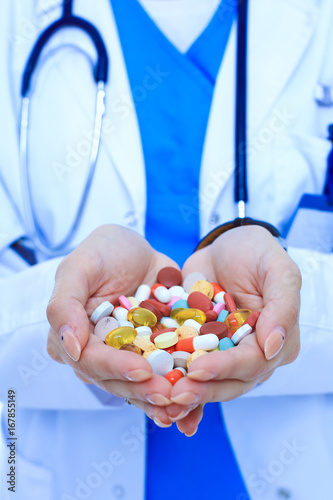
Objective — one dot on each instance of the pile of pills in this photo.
(172, 325)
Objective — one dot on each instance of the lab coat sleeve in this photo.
(25, 365)
(312, 372)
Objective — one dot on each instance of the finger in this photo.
(82, 377)
(155, 391)
(281, 294)
(101, 362)
(53, 346)
(65, 312)
(156, 413)
(189, 424)
(188, 391)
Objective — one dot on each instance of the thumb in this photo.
(281, 295)
(66, 310)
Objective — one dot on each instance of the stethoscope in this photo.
(35, 233)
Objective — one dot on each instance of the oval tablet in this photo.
(197, 300)
(148, 305)
(161, 362)
(219, 329)
(166, 339)
(169, 276)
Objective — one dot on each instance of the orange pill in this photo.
(217, 288)
(174, 376)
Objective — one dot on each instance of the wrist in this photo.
(223, 228)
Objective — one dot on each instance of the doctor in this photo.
(280, 433)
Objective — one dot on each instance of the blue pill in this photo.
(223, 314)
(225, 344)
(180, 303)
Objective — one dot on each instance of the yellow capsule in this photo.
(195, 314)
(133, 301)
(140, 316)
(120, 336)
(175, 311)
(236, 319)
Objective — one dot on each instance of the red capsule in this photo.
(229, 303)
(174, 376)
(252, 319)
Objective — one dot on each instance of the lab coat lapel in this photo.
(283, 28)
(121, 137)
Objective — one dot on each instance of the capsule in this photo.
(202, 342)
(236, 319)
(195, 314)
(120, 336)
(141, 317)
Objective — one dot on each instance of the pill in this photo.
(131, 348)
(103, 310)
(195, 314)
(159, 332)
(252, 319)
(175, 311)
(140, 316)
(192, 322)
(142, 293)
(241, 333)
(184, 332)
(217, 288)
(223, 314)
(195, 355)
(225, 344)
(185, 296)
(174, 375)
(217, 328)
(120, 313)
(148, 305)
(182, 304)
(161, 293)
(235, 319)
(134, 302)
(104, 326)
(197, 300)
(148, 353)
(169, 322)
(219, 307)
(229, 302)
(180, 358)
(203, 342)
(161, 362)
(173, 300)
(176, 291)
(219, 298)
(144, 344)
(191, 279)
(169, 276)
(143, 331)
(164, 309)
(211, 316)
(124, 322)
(183, 370)
(170, 350)
(204, 287)
(158, 327)
(166, 339)
(120, 336)
(124, 302)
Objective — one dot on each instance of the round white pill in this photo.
(177, 291)
(144, 331)
(161, 362)
(180, 358)
(105, 326)
(206, 342)
(241, 333)
(169, 322)
(142, 293)
(103, 310)
(124, 322)
(120, 313)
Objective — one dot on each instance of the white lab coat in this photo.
(282, 431)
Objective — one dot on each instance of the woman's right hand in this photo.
(112, 261)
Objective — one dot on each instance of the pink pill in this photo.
(172, 301)
(124, 302)
(219, 307)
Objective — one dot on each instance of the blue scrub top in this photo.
(172, 93)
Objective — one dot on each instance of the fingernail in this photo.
(160, 424)
(181, 415)
(137, 375)
(70, 343)
(202, 375)
(158, 399)
(274, 342)
(187, 398)
(190, 435)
